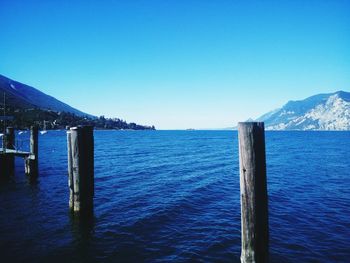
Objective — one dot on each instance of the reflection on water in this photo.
(82, 228)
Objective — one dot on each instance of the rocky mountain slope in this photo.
(319, 112)
(22, 96)
(27, 106)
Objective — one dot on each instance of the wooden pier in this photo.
(8, 154)
(12, 152)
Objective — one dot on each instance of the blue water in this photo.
(164, 196)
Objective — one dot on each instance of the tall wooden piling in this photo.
(9, 144)
(31, 162)
(80, 144)
(70, 170)
(10, 138)
(253, 187)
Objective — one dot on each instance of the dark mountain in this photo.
(29, 106)
(19, 95)
(320, 112)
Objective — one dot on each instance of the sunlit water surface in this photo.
(164, 196)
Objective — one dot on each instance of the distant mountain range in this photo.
(320, 112)
(19, 95)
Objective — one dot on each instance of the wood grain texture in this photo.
(253, 187)
(70, 170)
(82, 167)
(32, 162)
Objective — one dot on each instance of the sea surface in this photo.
(173, 196)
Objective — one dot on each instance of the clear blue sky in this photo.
(177, 64)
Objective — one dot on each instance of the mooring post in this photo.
(31, 162)
(80, 142)
(10, 138)
(70, 170)
(10, 144)
(253, 187)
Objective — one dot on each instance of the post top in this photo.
(251, 125)
(79, 127)
(249, 122)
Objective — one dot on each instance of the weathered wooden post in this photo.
(10, 144)
(80, 142)
(31, 162)
(70, 169)
(10, 138)
(253, 187)
(2, 166)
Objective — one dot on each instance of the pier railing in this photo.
(9, 151)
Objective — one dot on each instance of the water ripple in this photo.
(174, 196)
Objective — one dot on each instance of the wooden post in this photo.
(253, 187)
(70, 170)
(81, 165)
(31, 163)
(10, 138)
(3, 170)
(10, 144)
